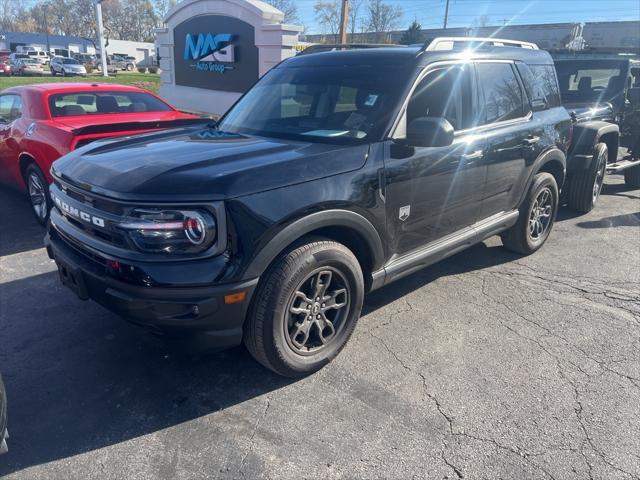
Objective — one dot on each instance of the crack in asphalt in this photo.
(451, 430)
(578, 409)
(253, 434)
(601, 363)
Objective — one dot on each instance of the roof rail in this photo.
(449, 43)
(328, 47)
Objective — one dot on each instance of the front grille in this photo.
(87, 203)
(79, 248)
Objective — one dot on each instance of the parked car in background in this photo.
(66, 66)
(39, 55)
(606, 88)
(337, 173)
(41, 122)
(3, 418)
(14, 58)
(5, 66)
(28, 66)
(127, 63)
(86, 59)
(112, 68)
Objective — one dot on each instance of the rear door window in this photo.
(503, 96)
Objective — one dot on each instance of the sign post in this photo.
(103, 48)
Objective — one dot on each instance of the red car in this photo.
(40, 123)
(5, 66)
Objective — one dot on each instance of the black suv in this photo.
(339, 172)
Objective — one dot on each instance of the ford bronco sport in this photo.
(339, 172)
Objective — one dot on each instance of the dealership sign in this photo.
(215, 52)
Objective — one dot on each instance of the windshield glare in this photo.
(590, 81)
(344, 104)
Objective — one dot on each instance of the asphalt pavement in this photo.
(487, 365)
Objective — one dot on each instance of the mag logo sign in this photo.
(215, 52)
(210, 52)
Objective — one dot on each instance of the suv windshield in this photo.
(590, 80)
(343, 104)
(92, 103)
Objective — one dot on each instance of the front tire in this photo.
(38, 191)
(305, 309)
(537, 216)
(53, 72)
(585, 187)
(632, 177)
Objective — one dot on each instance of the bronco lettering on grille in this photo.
(77, 213)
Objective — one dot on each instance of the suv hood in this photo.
(191, 164)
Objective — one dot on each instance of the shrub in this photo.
(88, 67)
(142, 70)
(153, 70)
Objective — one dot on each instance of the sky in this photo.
(462, 13)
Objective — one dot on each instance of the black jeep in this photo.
(338, 173)
(606, 88)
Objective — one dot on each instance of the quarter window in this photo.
(503, 98)
(540, 83)
(10, 108)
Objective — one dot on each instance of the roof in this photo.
(387, 57)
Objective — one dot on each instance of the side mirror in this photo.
(633, 95)
(429, 132)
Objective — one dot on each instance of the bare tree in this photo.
(381, 18)
(355, 22)
(328, 16)
(289, 8)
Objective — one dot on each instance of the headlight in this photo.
(171, 231)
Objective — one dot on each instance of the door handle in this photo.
(470, 157)
(530, 141)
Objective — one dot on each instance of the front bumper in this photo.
(198, 314)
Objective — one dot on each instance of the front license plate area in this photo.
(72, 278)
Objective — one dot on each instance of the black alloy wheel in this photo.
(38, 191)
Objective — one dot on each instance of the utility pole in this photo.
(103, 48)
(344, 19)
(446, 14)
(45, 9)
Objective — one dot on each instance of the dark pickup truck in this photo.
(603, 88)
(342, 170)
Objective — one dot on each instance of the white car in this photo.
(66, 66)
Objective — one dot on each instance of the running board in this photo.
(622, 165)
(449, 245)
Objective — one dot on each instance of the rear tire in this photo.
(537, 216)
(53, 72)
(632, 177)
(38, 192)
(585, 187)
(305, 309)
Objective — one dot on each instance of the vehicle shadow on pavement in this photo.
(478, 257)
(618, 190)
(626, 220)
(79, 378)
(16, 216)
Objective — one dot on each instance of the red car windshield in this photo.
(101, 103)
